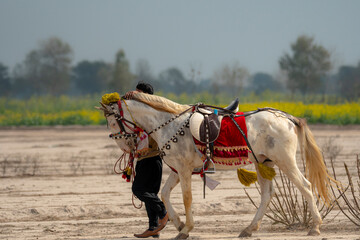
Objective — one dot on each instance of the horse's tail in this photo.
(316, 170)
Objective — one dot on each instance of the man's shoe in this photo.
(148, 233)
(162, 223)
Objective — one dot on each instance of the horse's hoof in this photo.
(244, 234)
(181, 236)
(182, 225)
(314, 232)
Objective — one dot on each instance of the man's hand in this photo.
(130, 94)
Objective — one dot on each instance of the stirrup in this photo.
(208, 169)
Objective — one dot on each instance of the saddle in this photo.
(205, 124)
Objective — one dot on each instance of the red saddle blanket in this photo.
(230, 147)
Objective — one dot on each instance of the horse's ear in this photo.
(99, 108)
(102, 108)
(103, 105)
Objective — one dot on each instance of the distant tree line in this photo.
(49, 70)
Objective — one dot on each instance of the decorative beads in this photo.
(119, 135)
(174, 138)
(169, 121)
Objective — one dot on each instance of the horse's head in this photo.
(146, 115)
(120, 132)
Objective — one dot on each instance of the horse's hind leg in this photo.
(293, 173)
(171, 182)
(267, 191)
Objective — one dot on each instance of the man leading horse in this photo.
(147, 180)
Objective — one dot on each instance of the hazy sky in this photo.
(187, 33)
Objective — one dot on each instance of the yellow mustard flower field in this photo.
(65, 110)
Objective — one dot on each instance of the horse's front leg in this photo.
(185, 181)
(171, 182)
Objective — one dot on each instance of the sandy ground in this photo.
(58, 183)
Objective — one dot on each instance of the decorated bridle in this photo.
(123, 122)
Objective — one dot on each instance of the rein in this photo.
(127, 171)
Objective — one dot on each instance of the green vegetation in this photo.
(47, 110)
(65, 110)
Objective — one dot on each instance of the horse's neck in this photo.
(150, 119)
(145, 116)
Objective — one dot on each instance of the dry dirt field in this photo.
(58, 183)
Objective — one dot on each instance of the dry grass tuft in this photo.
(350, 206)
(19, 165)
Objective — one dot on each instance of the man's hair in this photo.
(145, 87)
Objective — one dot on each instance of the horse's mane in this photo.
(160, 103)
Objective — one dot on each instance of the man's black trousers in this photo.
(146, 186)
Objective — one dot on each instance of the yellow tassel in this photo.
(246, 177)
(128, 171)
(110, 98)
(266, 172)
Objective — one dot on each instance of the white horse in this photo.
(273, 135)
